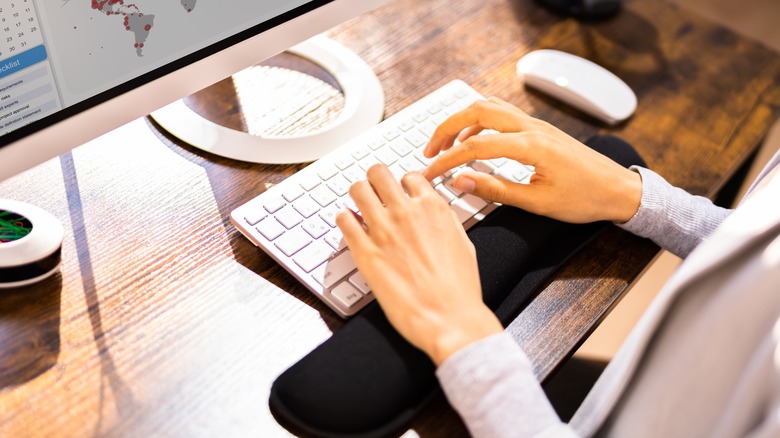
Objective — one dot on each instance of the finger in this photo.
(485, 113)
(353, 230)
(515, 146)
(385, 184)
(415, 184)
(469, 132)
(505, 104)
(500, 190)
(447, 132)
(366, 200)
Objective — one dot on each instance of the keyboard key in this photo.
(450, 184)
(428, 128)
(481, 166)
(513, 171)
(347, 294)
(346, 202)
(254, 216)
(420, 117)
(367, 162)
(391, 134)
(445, 193)
(329, 216)
(292, 241)
(438, 118)
(336, 240)
(386, 156)
(361, 152)
(397, 171)
(274, 204)
(339, 185)
(422, 158)
(466, 209)
(344, 162)
(289, 217)
(401, 147)
(327, 172)
(416, 139)
(406, 125)
(375, 144)
(498, 162)
(324, 196)
(270, 228)
(354, 174)
(310, 181)
(411, 164)
(475, 202)
(294, 192)
(313, 255)
(306, 206)
(338, 268)
(360, 282)
(318, 274)
(316, 227)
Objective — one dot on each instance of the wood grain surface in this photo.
(164, 321)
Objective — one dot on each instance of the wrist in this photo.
(629, 196)
(465, 331)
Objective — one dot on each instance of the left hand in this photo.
(419, 262)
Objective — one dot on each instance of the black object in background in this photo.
(583, 9)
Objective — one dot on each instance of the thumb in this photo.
(491, 188)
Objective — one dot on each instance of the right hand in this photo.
(572, 182)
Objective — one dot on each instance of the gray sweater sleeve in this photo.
(492, 386)
(491, 382)
(671, 217)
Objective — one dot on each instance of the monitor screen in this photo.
(71, 70)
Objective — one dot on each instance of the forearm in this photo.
(673, 218)
(492, 386)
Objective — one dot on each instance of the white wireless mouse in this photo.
(582, 84)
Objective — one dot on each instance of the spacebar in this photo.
(467, 206)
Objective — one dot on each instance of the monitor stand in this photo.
(363, 107)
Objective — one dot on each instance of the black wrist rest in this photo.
(368, 381)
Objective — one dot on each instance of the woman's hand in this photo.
(421, 266)
(572, 182)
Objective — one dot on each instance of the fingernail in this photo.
(465, 184)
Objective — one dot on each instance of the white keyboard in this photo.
(294, 221)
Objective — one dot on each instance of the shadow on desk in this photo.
(122, 395)
(234, 183)
(29, 331)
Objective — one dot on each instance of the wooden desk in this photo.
(165, 321)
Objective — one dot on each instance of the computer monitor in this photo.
(71, 70)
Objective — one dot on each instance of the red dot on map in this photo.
(136, 45)
(127, 27)
(141, 45)
(148, 27)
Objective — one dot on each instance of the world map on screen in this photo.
(139, 23)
